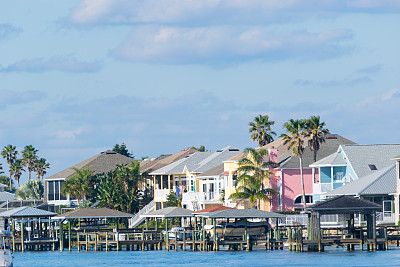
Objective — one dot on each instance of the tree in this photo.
(200, 149)
(10, 153)
(16, 169)
(6, 181)
(29, 158)
(173, 201)
(295, 138)
(253, 170)
(253, 191)
(261, 131)
(316, 132)
(30, 190)
(80, 185)
(120, 189)
(41, 167)
(121, 149)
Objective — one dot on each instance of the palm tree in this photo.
(253, 167)
(316, 132)
(260, 130)
(10, 153)
(80, 185)
(16, 169)
(29, 158)
(295, 138)
(40, 167)
(253, 191)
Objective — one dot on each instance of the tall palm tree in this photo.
(316, 132)
(29, 158)
(254, 167)
(10, 153)
(261, 131)
(16, 169)
(295, 138)
(41, 167)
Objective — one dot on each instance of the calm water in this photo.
(333, 257)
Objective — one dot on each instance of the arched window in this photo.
(299, 200)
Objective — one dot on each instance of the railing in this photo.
(385, 217)
(294, 219)
(135, 221)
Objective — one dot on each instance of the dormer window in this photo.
(372, 167)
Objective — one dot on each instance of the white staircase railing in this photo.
(138, 219)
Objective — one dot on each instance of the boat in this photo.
(6, 255)
(178, 231)
(237, 229)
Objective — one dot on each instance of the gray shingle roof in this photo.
(336, 159)
(27, 212)
(101, 163)
(360, 156)
(170, 212)
(380, 182)
(330, 146)
(242, 213)
(198, 162)
(94, 213)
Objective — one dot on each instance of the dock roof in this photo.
(344, 205)
(213, 209)
(170, 212)
(27, 212)
(93, 213)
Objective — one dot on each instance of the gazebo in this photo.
(346, 205)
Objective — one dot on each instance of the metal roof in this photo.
(241, 213)
(380, 182)
(198, 162)
(93, 213)
(214, 172)
(6, 196)
(212, 209)
(27, 212)
(170, 212)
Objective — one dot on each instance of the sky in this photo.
(79, 76)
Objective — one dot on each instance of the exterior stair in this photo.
(138, 219)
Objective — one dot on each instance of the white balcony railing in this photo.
(326, 188)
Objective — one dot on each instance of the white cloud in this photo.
(55, 63)
(216, 11)
(214, 44)
(390, 94)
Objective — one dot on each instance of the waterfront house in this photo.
(397, 192)
(286, 179)
(181, 176)
(378, 187)
(101, 163)
(350, 163)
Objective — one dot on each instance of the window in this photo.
(54, 190)
(234, 177)
(372, 167)
(299, 200)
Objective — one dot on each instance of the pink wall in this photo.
(291, 187)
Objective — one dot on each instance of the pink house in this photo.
(287, 179)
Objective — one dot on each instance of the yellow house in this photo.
(230, 171)
(181, 177)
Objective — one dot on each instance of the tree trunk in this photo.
(10, 183)
(302, 182)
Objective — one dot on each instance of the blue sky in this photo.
(77, 77)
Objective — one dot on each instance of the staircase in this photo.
(138, 219)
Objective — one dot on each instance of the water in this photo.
(331, 257)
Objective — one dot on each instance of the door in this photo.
(387, 208)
